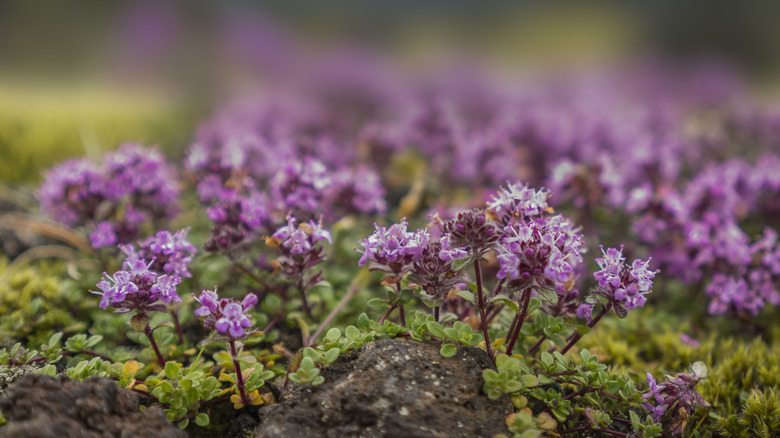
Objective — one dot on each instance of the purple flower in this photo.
(169, 253)
(132, 186)
(393, 247)
(624, 286)
(585, 311)
(539, 253)
(448, 253)
(518, 200)
(226, 316)
(300, 239)
(676, 398)
(137, 288)
(472, 229)
(103, 235)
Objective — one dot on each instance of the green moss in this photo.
(37, 303)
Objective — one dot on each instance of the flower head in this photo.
(137, 288)
(624, 286)
(518, 200)
(393, 247)
(167, 252)
(471, 228)
(676, 398)
(539, 253)
(226, 316)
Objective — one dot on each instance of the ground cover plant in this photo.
(607, 242)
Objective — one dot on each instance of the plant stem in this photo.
(176, 324)
(402, 315)
(384, 317)
(436, 313)
(481, 306)
(521, 319)
(239, 376)
(304, 302)
(577, 336)
(537, 344)
(150, 335)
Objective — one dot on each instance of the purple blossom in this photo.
(104, 235)
(226, 316)
(169, 253)
(393, 247)
(624, 286)
(675, 399)
(518, 200)
(132, 186)
(448, 253)
(300, 239)
(539, 253)
(137, 288)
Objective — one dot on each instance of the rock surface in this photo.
(392, 388)
(38, 406)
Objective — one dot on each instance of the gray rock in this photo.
(38, 406)
(392, 388)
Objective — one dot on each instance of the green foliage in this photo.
(184, 390)
(513, 376)
(38, 302)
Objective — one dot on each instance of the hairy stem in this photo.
(384, 317)
(304, 301)
(239, 375)
(481, 306)
(520, 320)
(150, 335)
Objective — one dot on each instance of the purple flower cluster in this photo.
(393, 248)
(676, 398)
(624, 286)
(131, 187)
(299, 240)
(167, 252)
(138, 288)
(226, 316)
(540, 253)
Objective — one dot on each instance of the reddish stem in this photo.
(239, 375)
(384, 317)
(537, 344)
(521, 319)
(150, 335)
(481, 306)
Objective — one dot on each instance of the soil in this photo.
(392, 388)
(38, 406)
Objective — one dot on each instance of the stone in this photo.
(392, 388)
(41, 406)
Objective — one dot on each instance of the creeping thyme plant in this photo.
(635, 296)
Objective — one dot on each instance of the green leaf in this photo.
(448, 350)
(333, 335)
(435, 329)
(331, 355)
(583, 329)
(184, 423)
(547, 295)
(466, 295)
(503, 299)
(378, 304)
(364, 323)
(546, 359)
(171, 370)
(534, 304)
(459, 264)
(202, 420)
(404, 297)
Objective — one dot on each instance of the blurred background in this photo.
(80, 77)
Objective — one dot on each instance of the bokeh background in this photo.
(80, 77)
